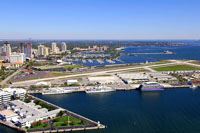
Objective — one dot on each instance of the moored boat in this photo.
(57, 90)
(151, 86)
(99, 89)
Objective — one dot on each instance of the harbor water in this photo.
(189, 51)
(172, 110)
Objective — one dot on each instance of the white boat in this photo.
(57, 90)
(99, 89)
(193, 86)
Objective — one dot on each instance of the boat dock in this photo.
(89, 60)
(110, 61)
(84, 61)
(100, 61)
(144, 53)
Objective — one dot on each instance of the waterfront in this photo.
(189, 51)
(173, 110)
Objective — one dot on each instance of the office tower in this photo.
(26, 48)
(63, 47)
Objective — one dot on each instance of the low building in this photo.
(140, 77)
(69, 82)
(29, 112)
(11, 65)
(103, 80)
(8, 115)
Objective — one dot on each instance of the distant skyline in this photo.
(100, 19)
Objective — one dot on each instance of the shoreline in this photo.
(91, 125)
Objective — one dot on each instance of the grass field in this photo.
(63, 122)
(72, 66)
(59, 74)
(41, 126)
(176, 68)
(132, 70)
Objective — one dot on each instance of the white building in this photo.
(29, 112)
(54, 48)
(104, 79)
(43, 51)
(15, 58)
(69, 82)
(8, 115)
(4, 97)
(63, 47)
(16, 92)
(5, 51)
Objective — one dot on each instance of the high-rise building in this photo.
(26, 49)
(17, 57)
(43, 50)
(5, 51)
(53, 47)
(63, 47)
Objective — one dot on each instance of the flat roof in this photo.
(7, 113)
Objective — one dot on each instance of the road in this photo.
(103, 72)
(91, 73)
(12, 75)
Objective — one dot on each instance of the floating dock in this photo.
(100, 61)
(84, 61)
(91, 61)
(110, 61)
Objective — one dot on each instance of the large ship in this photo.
(99, 89)
(58, 90)
(151, 86)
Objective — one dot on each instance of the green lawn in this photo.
(72, 66)
(131, 70)
(176, 68)
(59, 74)
(62, 122)
(41, 126)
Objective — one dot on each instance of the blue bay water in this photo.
(189, 51)
(173, 110)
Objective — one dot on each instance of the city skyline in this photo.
(100, 20)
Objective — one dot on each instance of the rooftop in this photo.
(7, 113)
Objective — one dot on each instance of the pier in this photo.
(84, 61)
(145, 53)
(110, 61)
(100, 61)
(91, 61)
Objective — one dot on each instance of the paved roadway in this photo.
(12, 75)
(173, 62)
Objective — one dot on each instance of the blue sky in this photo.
(100, 19)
